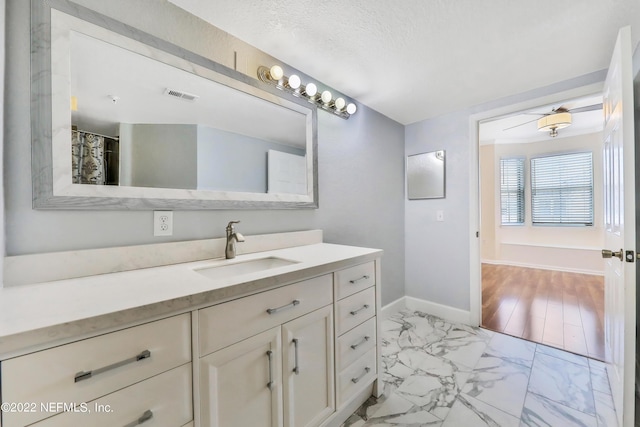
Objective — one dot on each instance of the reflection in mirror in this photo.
(426, 175)
(171, 130)
(151, 125)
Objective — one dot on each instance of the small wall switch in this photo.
(439, 215)
(162, 223)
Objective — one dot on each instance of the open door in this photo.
(620, 211)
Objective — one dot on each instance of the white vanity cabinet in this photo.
(308, 373)
(172, 347)
(281, 376)
(237, 386)
(356, 330)
(142, 372)
(161, 401)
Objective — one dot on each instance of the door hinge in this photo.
(630, 256)
(477, 234)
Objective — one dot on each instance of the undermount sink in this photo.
(223, 271)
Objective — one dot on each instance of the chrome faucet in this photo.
(232, 238)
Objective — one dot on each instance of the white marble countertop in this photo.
(33, 315)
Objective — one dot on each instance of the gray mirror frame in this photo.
(50, 193)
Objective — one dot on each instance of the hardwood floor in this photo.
(556, 308)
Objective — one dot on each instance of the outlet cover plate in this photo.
(162, 223)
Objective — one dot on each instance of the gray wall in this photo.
(438, 259)
(360, 173)
(162, 156)
(229, 161)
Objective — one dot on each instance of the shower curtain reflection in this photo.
(94, 159)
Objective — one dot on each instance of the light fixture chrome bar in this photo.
(292, 84)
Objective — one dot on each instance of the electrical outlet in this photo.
(162, 223)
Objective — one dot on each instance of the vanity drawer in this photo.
(354, 279)
(355, 343)
(356, 376)
(230, 322)
(115, 360)
(163, 400)
(352, 311)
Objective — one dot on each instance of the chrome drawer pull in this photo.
(143, 418)
(366, 371)
(296, 369)
(356, 345)
(357, 280)
(85, 375)
(354, 312)
(270, 383)
(284, 307)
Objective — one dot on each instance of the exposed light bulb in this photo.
(276, 72)
(339, 104)
(351, 108)
(311, 89)
(326, 97)
(294, 81)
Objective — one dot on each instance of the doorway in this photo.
(541, 225)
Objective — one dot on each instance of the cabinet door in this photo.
(240, 384)
(308, 378)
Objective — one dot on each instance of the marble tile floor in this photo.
(444, 374)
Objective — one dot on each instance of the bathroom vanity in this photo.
(285, 334)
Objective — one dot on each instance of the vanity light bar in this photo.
(293, 85)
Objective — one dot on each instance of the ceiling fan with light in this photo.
(558, 118)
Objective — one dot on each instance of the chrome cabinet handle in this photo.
(85, 375)
(284, 307)
(270, 383)
(364, 307)
(357, 280)
(296, 369)
(365, 372)
(364, 340)
(143, 418)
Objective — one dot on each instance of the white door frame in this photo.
(475, 279)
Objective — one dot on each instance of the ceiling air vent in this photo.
(180, 94)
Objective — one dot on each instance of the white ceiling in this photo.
(417, 59)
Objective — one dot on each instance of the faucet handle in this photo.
(230, 225)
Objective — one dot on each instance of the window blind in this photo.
(512, 190)
(562, 189)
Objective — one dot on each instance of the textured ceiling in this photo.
(416, 59)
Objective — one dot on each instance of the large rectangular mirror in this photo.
(124, 120)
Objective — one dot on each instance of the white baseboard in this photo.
(393, 308)
(542, 267)
(444, 311)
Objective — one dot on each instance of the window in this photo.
(512, 191)
(562, 189)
